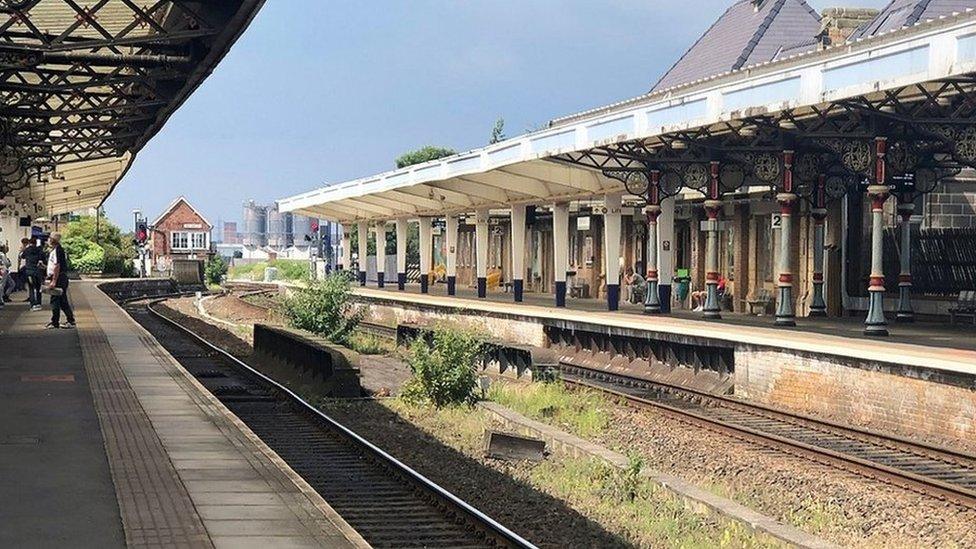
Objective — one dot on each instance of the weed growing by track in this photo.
(584, 413)
(444, 368)
(324, 307)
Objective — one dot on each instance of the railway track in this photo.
(940, 472)
(388, 503)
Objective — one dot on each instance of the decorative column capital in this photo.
(878, 194)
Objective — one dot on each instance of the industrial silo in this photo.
(277, 235)
(300, 227)
(255, 224)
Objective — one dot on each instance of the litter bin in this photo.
(682, 285)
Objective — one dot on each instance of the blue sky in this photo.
(325, 91)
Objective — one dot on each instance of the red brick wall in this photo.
(866, 396)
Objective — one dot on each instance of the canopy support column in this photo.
(380, 235)
(361, 234)
(818, 306)
(652, 299)
(401, 253)
(611, 254)
(518, 251)
(451, 240)
(665, 227)
(481, 249)
(785, 313)
(875, 323)
(560, 246)
(345, 262)
(426, 251)
(713, 207)
(905, 209)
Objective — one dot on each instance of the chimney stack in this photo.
(837, 24)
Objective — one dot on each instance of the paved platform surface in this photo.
(105, 441)
(922, 344)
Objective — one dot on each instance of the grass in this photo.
(369, 344)
(622, 501)
(643, 513)
(288, 269)
(585, 413)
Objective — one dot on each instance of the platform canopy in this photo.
(914, 85)
(84, 86)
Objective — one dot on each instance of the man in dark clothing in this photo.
(57, 276)
(32, 257)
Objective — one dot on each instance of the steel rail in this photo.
(826, 456)
(492, 527)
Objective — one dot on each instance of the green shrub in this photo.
(128, 269)
(444, 368)
(289, 269)
(92, 260)
(324, 308)
(114, 259)
(215, 269)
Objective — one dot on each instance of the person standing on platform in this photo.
(57, 276)
(33, 260)
(6, 277)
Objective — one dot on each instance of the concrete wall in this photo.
(523, 332)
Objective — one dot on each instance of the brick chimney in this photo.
(837, 24)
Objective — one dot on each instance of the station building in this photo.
(814, 164)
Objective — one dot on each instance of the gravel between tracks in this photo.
(841, 507)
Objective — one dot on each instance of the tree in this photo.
(498, 131)
(424, 154)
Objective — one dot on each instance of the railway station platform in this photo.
(930, 344)
(920, 382)
(105, 441)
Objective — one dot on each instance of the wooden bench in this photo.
(761, 299)
(965, 306)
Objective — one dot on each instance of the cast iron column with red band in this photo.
(713, 207)
(818, 306)
(875, 323)
(905, 209)
(785, 312)
(652, 300)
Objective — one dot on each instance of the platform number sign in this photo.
(776, 221)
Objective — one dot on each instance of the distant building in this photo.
(229, 234)
(180, 232)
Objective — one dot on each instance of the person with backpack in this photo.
(33, 260)
(57, 284)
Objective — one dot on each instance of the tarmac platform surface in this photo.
(105, 441)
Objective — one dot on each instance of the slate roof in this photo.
(749, 32)
(904, 13)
